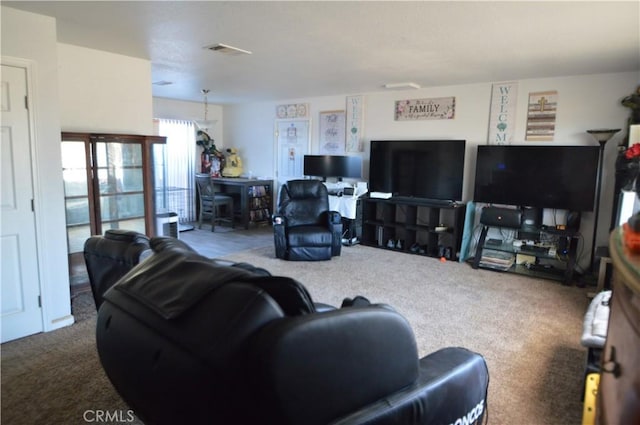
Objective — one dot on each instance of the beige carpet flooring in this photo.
(527, 329)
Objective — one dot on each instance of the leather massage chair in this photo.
(189, 340)
(111, 256)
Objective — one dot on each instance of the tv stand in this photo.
(414, 226)
(541, 261)
(424, 201)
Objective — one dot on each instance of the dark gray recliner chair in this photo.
(186, 339)
(111, 256)
(304, 228)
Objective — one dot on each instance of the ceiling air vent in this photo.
(226, 49)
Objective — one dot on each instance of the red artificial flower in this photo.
(633, 151)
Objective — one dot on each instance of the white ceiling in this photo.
(317, 48)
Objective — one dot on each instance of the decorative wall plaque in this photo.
(502, 117)
(332, 132)
(354, 122)
(293, 110)
(438, 108)
(541, 116)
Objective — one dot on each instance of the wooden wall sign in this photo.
(504, 97)
(354, 123)
(438, 108)
(541, 116)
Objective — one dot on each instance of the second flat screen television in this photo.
(424, 169)
(560, 177)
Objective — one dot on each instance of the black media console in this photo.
(554, 259)
(414, 226)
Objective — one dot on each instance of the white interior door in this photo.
(21, 313)
(292, 144)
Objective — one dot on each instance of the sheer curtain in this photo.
(180, 167)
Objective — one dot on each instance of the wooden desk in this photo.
(255, 205)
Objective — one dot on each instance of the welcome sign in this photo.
(439, 108)
(355, 113)
(504, 97)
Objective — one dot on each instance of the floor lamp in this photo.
(602, 136)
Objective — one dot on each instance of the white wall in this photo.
(104, 92)
(584, 102)
(33, 38)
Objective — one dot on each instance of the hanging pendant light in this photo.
(206, 124)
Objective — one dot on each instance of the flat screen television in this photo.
(332, 166)
(559, 177)
(426, 169)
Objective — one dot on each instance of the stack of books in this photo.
(497, 260)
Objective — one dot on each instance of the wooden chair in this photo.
(211, 203)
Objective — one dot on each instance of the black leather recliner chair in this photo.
(111, 256)
(185, 339)
(304, 228)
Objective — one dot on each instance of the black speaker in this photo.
(501, 217)
(531, 222)
(573, 220)
(531, 218)
(563, 245)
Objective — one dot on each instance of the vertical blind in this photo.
(180, 166)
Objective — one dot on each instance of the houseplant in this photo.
(211, 159)
(628, 167)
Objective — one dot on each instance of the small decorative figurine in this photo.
(233, 166)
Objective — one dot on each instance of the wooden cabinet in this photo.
(415, 227)
(618, 400)
(110, 182)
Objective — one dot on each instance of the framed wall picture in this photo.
(332, 132)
